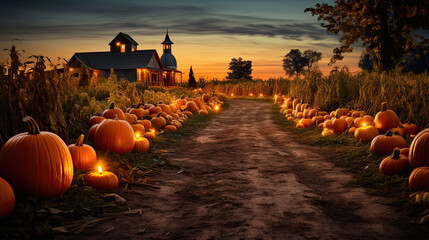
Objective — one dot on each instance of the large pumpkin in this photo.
(411, 129)
(36, 162)
(339, 125)
(83, 155)
(419, 150)
(206, 97)
(91, 132)
(366, 134)
(7, 198)
(385, 144)
(394, 164)
(419, 178)
(114, 135)
(112, 111)
(192, 106)
(386, 119)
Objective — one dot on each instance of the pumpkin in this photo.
(419, 149)
(173, 108)
(327, 117)
(170, 128)
(339, 125)
(322, 113)
(294, 103)
(320, 125)
(384, 144)
(350, 121)
(419, 178)
(206, 97)
(405, 151)
(180, 102)
(36, 162)
(318, 119)
(306, 112)
(112, 111)
(165, 108)
(399, 131)
(307, 122)
(95, 119)
(145, 113)
(357, 114)
(139, 112)
(411, 129)
(102, 180)
(300, 115)
(300, 125)
(304, 106)
(146, 124)
(138, 128)
(149, 135)
(352, 130)
(312, 113)
(327, 132)
(386, 119)
(114, 135)
(158, 122)
(394, 164)
(360, 121)
(327, 124)
(203, 112)
(341, 112)
(188, 113)
(141, 145)
(192, 106)
(290, 118)
(289, 103)
(7, 198)
(298, 107)
(91, 132)
(366, 134)
(130, 118)
(155, 110)
(83, 155)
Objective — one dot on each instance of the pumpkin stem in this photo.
(79, 140)
(33, 128)
(112, 105)
(384, 106)
(389, 133)
(396, 153)
(157, 115)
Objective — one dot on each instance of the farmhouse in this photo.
(127, 62)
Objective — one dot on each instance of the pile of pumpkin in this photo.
(39, 163)
(384, 131)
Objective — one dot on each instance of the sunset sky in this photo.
(206, 34)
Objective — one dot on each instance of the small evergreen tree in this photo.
(191, 81)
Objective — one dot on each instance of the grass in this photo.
(356, 158)
(34, 218)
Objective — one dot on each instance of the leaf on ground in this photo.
(57, 211)
(115, 196)
(109, 229)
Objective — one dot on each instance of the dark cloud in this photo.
(84, 19)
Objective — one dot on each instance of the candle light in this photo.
(232, 94)
(150, 135)
(102, 180)
(216, 108)
(251, 94)
(141, 145)
(260, 95)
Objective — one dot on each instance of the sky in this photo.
(206, 34)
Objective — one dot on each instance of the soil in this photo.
(246, 179)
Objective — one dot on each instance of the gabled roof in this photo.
(126, 36)
(105, 60)
(167, 40)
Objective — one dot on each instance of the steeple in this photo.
(167, 59)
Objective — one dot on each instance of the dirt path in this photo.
(248, 180)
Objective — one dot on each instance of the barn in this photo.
(127, 62)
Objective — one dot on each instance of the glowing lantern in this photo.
(260, 95)
(251, 94)
(232, 94)
(102, 180)
(216, 108)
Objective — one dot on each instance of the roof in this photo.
(168, 61)
(126, 36)
(167, 40)
(105, 60)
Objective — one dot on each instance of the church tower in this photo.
(167, 59)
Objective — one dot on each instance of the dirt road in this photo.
(248, 180)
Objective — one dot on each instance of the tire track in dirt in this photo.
(249, 180)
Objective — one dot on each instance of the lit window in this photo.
(122, 47)
(139, 74)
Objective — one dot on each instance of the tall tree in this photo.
(191, 81)
(296, 63)
(385, 28)
(240, 69)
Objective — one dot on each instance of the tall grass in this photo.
(246, 87)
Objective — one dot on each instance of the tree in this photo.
(296, 63)
(241, 69)
(385, 28)
(191, 81)
(416, 60)
(365, 62)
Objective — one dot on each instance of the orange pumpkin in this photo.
(339, 125)
(300, 125)
(165, 108)
(294, 103)
(36, 162)
(149, 135)
(366, 134)
(188, 113)
(419, 178)
(399, 131)
(419, 150)
(112, 111)
(114, 135)
(318, 119)
(352, 130)
(341, 112)
(146, 124)
(300, 115)
(158, 122)
(83, 155)
(139, 112)
(394, 164)
(384, 144)
(203, 112)
(291, 118)
(360, 121)
(405, 151)
(170, 128)
(312, 113)
(411, 129)
(95, 120)
(130, 118)
(327, 124)
(306, 122)
(357, 114)
(192, 106)
(386, 119)
(141, 145)
(102, 180)
(138, 128)
(206, 97)
(327, 132)
(155, 110)
(289, 103)
(7, 198)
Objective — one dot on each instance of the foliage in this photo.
(297, 63)
(191, 81)
(417, 59)
(365, 62)
(246, 87)
(385, 28)
(240, 69)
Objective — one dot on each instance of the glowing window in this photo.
(122, 47)
(139, 74)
